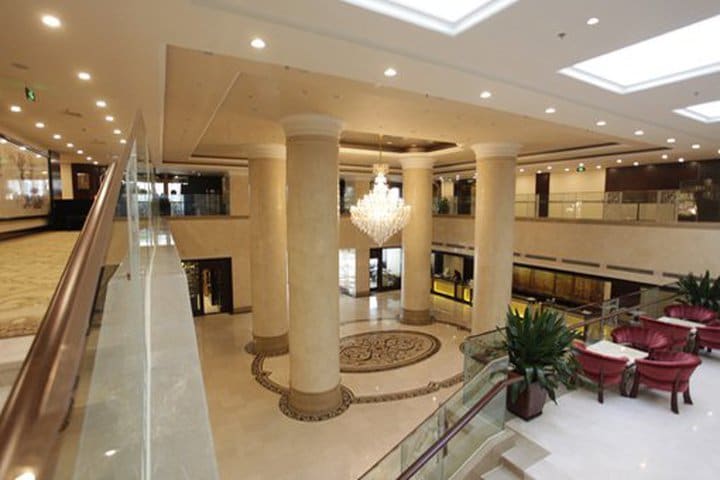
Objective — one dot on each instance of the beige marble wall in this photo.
(214, 237)
(570, 182)
(525, 185)
(676, 248)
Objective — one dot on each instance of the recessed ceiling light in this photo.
(593, 21)
(37, 155)
(664, 156)
(101, 104)
(450, 17)
(619, 160)
(57, 136)
(635, 164)
(390, 72)
(718, 150)
(681, 160)
(69, 145)
(671, 140)
(109, 118)
(567, 169)
(671, 57)
(696, 146)
(581, 164)
(639, 133)
(598, 167)
(22, 148)
(95, 163)
(485, 94)
(123, 141)
(549, 167)
(703, 112)
(2, 141)
(51, 21)
(15, 108)
(84, 76)
(539, 172)
(39, 125)
(522, 170)
(117, 131)
(80, 152)
(550, 110)
(601, 123)
(88, 158)
(258, 43)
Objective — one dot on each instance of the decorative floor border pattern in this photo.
(262, 376)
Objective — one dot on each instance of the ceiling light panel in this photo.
(448, 17)
(671, 57)
(703, 112)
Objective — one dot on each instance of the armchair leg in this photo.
(673, 402)
(686, 397)
(601, 386)
(635, 386)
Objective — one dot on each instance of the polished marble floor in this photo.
(254, 440)
(627, 439)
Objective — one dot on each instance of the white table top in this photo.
(616, 350)
(693, 326)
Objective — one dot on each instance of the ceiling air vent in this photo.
(70, 113)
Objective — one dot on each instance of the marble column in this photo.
(313, 242)
(417, 240)
(494, 224)
(268, 247)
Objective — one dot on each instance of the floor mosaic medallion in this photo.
(385, 350)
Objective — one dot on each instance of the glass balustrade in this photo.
(688, 204)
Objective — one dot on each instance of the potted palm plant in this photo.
(539, 346)
(700, 291)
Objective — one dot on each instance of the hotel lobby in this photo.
(359, 239)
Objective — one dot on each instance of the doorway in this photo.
(210, 285)
(385, 269)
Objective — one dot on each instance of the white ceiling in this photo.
(515, 55)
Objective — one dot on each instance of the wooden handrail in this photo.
(42, 395)
(449, 434)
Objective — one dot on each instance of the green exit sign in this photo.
(581, 168)
(30, 94)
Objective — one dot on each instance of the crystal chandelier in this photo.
(381, 213)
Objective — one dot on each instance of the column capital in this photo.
(311, 124)
(417, 162)
(265, 150)
(488, 150)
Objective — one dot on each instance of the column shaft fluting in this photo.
(268, 247)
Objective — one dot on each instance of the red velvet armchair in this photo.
(691, 312)
(669, 372)
(677, 334)
(604, 370)
(707, 337)
(641, 338)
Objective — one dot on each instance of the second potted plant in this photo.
(539, 346)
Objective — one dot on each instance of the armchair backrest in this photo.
(668, 367)
(691, 312)
(593, 363)
(678, 334)
(709, 335)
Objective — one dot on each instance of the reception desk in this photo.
(451, 289)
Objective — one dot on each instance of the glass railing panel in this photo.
(437, 424)
(106, 430)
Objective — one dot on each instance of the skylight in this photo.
(703, 112)
(450, 17)
(687, 52)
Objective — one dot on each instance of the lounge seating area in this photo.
(660, 354)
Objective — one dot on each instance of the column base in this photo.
(415, 317)
(314, 407)
(268, 346)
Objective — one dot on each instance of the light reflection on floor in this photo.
(254, 440)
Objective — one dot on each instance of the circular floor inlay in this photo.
(385, 350)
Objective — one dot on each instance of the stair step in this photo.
(500, 473)
(546, 470)
(522, 456)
